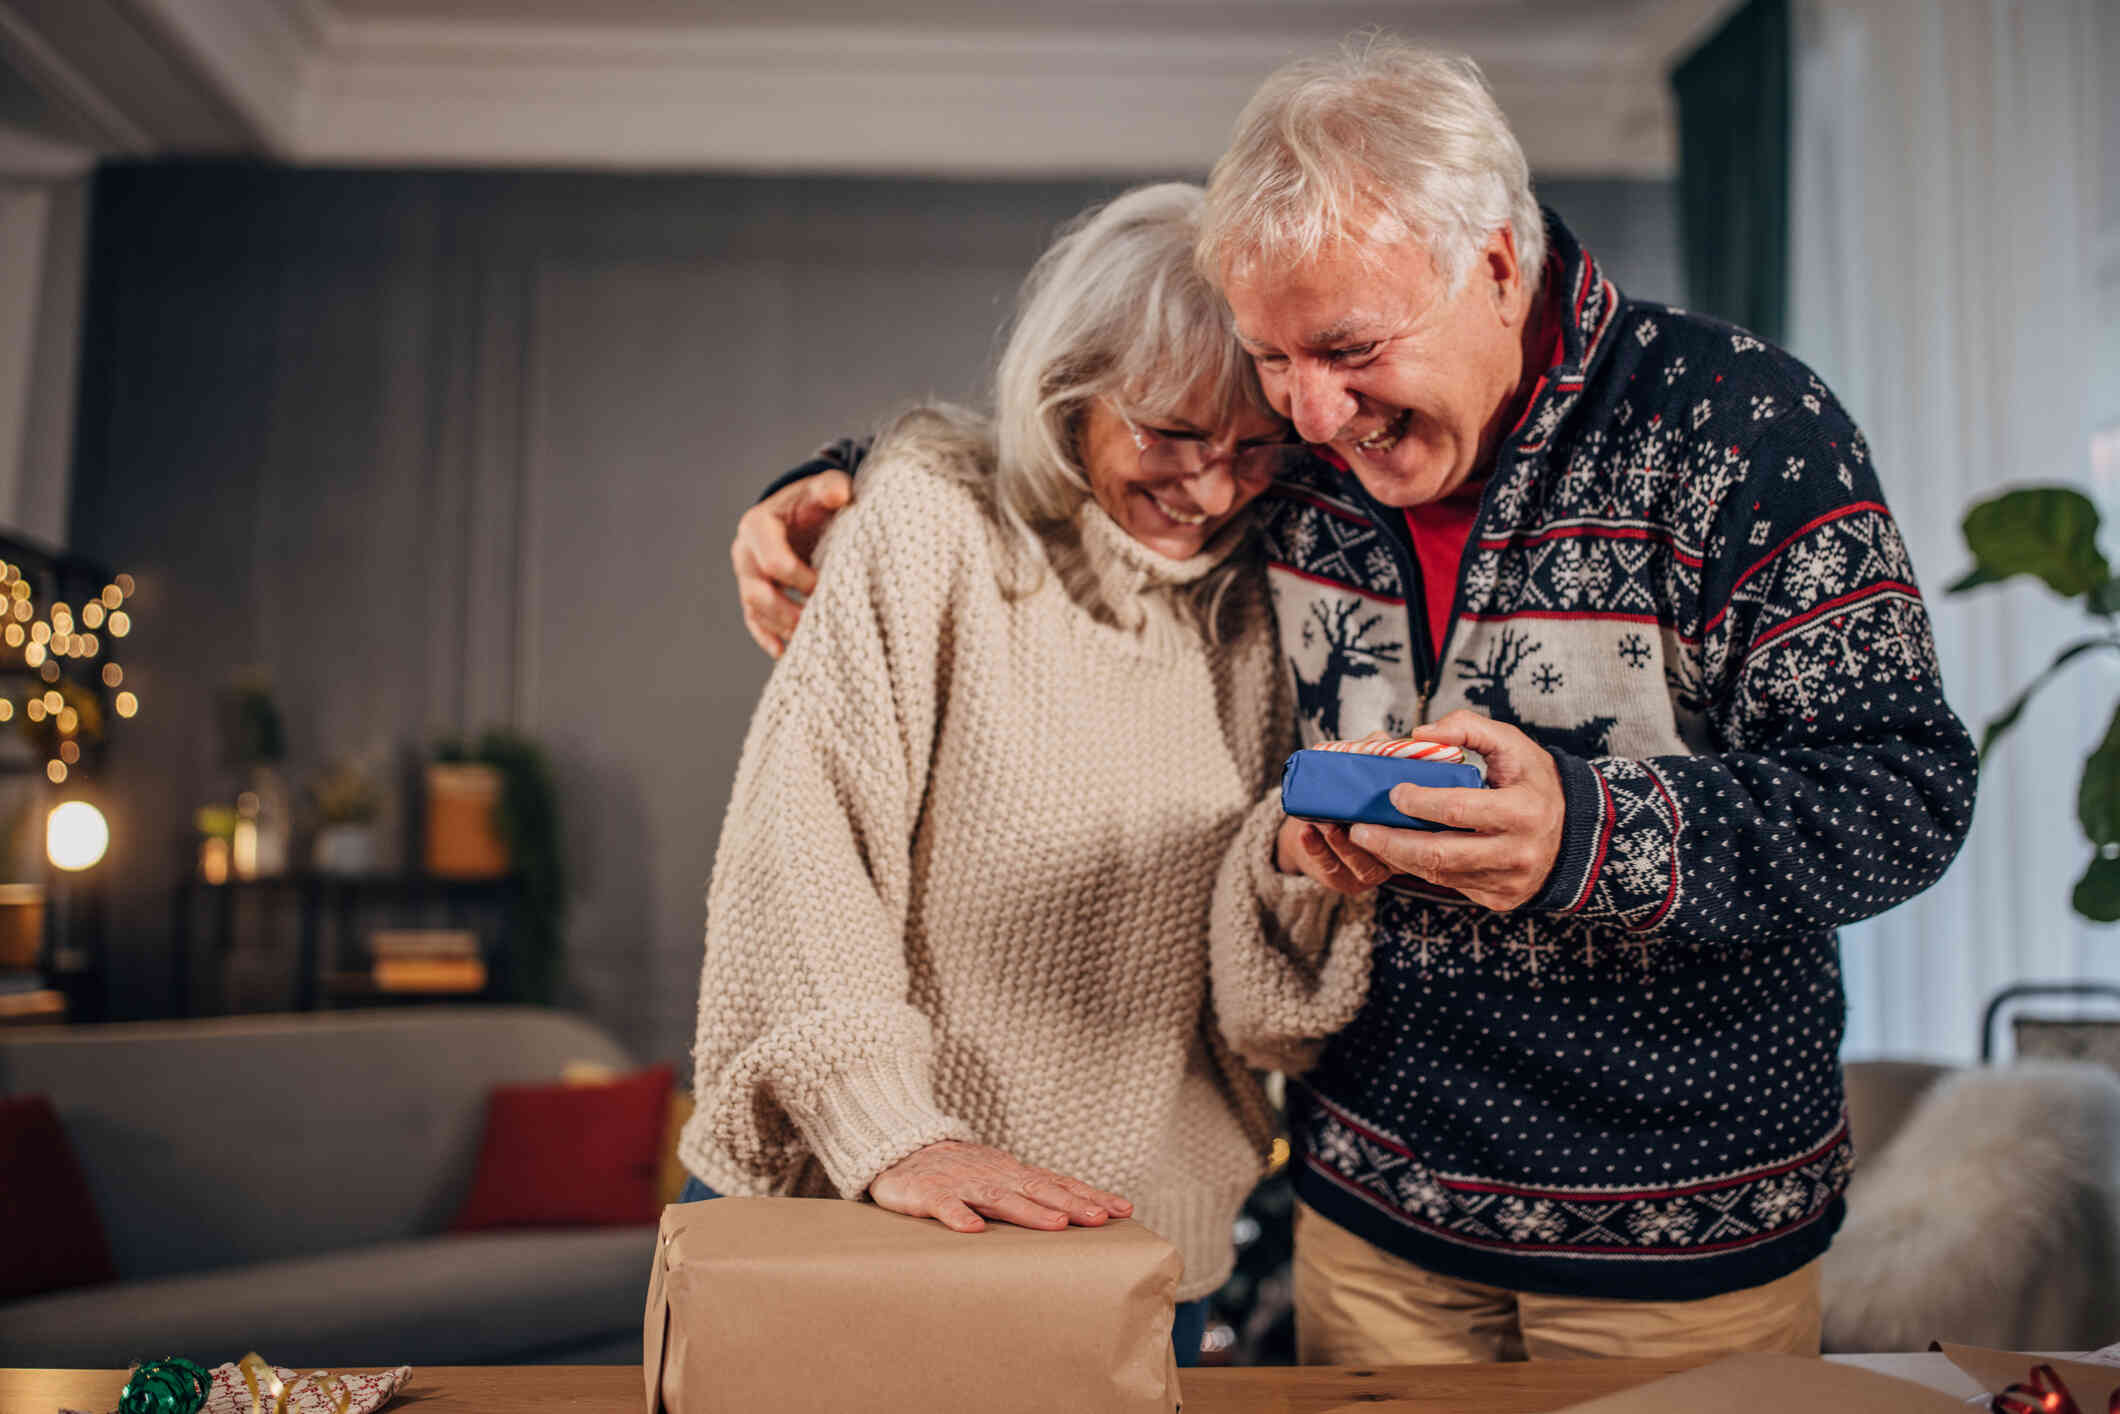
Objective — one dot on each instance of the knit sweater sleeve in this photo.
(1838, 780)
(1289, 958)
(808, 1043)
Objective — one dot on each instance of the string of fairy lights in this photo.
(49, 637)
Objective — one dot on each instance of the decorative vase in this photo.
(463, 826)
(274, 816)
(347, 847)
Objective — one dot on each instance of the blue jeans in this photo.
(1187, 1327)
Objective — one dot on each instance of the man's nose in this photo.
(1318, 403)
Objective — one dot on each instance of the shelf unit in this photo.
(328, 917)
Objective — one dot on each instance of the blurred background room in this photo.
(380, 385)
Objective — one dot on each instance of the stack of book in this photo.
(426, 960)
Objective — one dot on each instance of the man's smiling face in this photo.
(1367, 350)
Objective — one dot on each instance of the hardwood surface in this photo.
(616, 1389)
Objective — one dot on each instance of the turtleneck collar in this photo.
(1135, 567)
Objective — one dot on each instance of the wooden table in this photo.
(616, 1389)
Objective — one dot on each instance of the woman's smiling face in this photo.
(1172, 513)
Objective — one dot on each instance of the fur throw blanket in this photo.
(1992, 1217)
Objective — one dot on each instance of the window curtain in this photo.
(1942, 281)
(1733, 169)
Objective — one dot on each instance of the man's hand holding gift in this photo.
(1513, 827)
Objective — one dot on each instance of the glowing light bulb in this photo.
(69, 752)
(14, 635)
(75, 833)
(124, 583)
(35, 708)
(49, 671)
(112, 675)
(127, 704)
(92, 614)
(55, 770)
(120, 624)
(87, 645)
(33, 654)
(7, 710)
(112, 596)
(69, 723)
(41, 631)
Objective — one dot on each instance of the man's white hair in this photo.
(1378, 131)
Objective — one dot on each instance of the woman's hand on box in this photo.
(961, 1185)
(1321, 850)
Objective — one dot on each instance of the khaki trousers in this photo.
(1357, 1304)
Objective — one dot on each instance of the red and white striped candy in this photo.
(1405, 748)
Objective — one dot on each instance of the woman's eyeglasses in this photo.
(1188, 454)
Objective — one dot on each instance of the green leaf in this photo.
(2098, 797)
(2047, 531)
(2008, 716)
(1973, 579)
(2097, 895)
(2105, 599)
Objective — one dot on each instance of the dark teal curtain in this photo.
(1733, 169)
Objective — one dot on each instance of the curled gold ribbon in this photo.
(255, 1372)
(260, 1379)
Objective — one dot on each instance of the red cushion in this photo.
(50, 1235)
(571, 1155)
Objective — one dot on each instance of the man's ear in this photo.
(1504, 273)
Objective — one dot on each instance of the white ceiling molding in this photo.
(877, 99)
(257, 52)
(1059, 88)
(67, 88)
(31, 157)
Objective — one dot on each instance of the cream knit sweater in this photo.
(963, 887)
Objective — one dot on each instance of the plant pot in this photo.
(21, 926)
(348, 847)
(463, 822)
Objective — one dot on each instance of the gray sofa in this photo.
(282, 1184)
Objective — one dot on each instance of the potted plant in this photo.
(2051, 534)
(495, 801)
(346, 803)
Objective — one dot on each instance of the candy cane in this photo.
(1405, 748)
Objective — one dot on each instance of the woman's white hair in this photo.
(1115, 308)
(1378, 129)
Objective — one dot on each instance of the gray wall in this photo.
(438, 451)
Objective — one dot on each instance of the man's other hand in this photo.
(775, 542)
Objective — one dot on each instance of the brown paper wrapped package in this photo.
(817, 1304)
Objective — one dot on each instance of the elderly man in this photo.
(1640, 563)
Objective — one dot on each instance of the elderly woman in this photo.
(957, 941)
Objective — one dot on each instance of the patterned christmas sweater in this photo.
(1684, 582)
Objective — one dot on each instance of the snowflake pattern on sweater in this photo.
(1684, 582)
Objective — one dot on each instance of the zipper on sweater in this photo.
(1429, 656)
(1399, 540)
